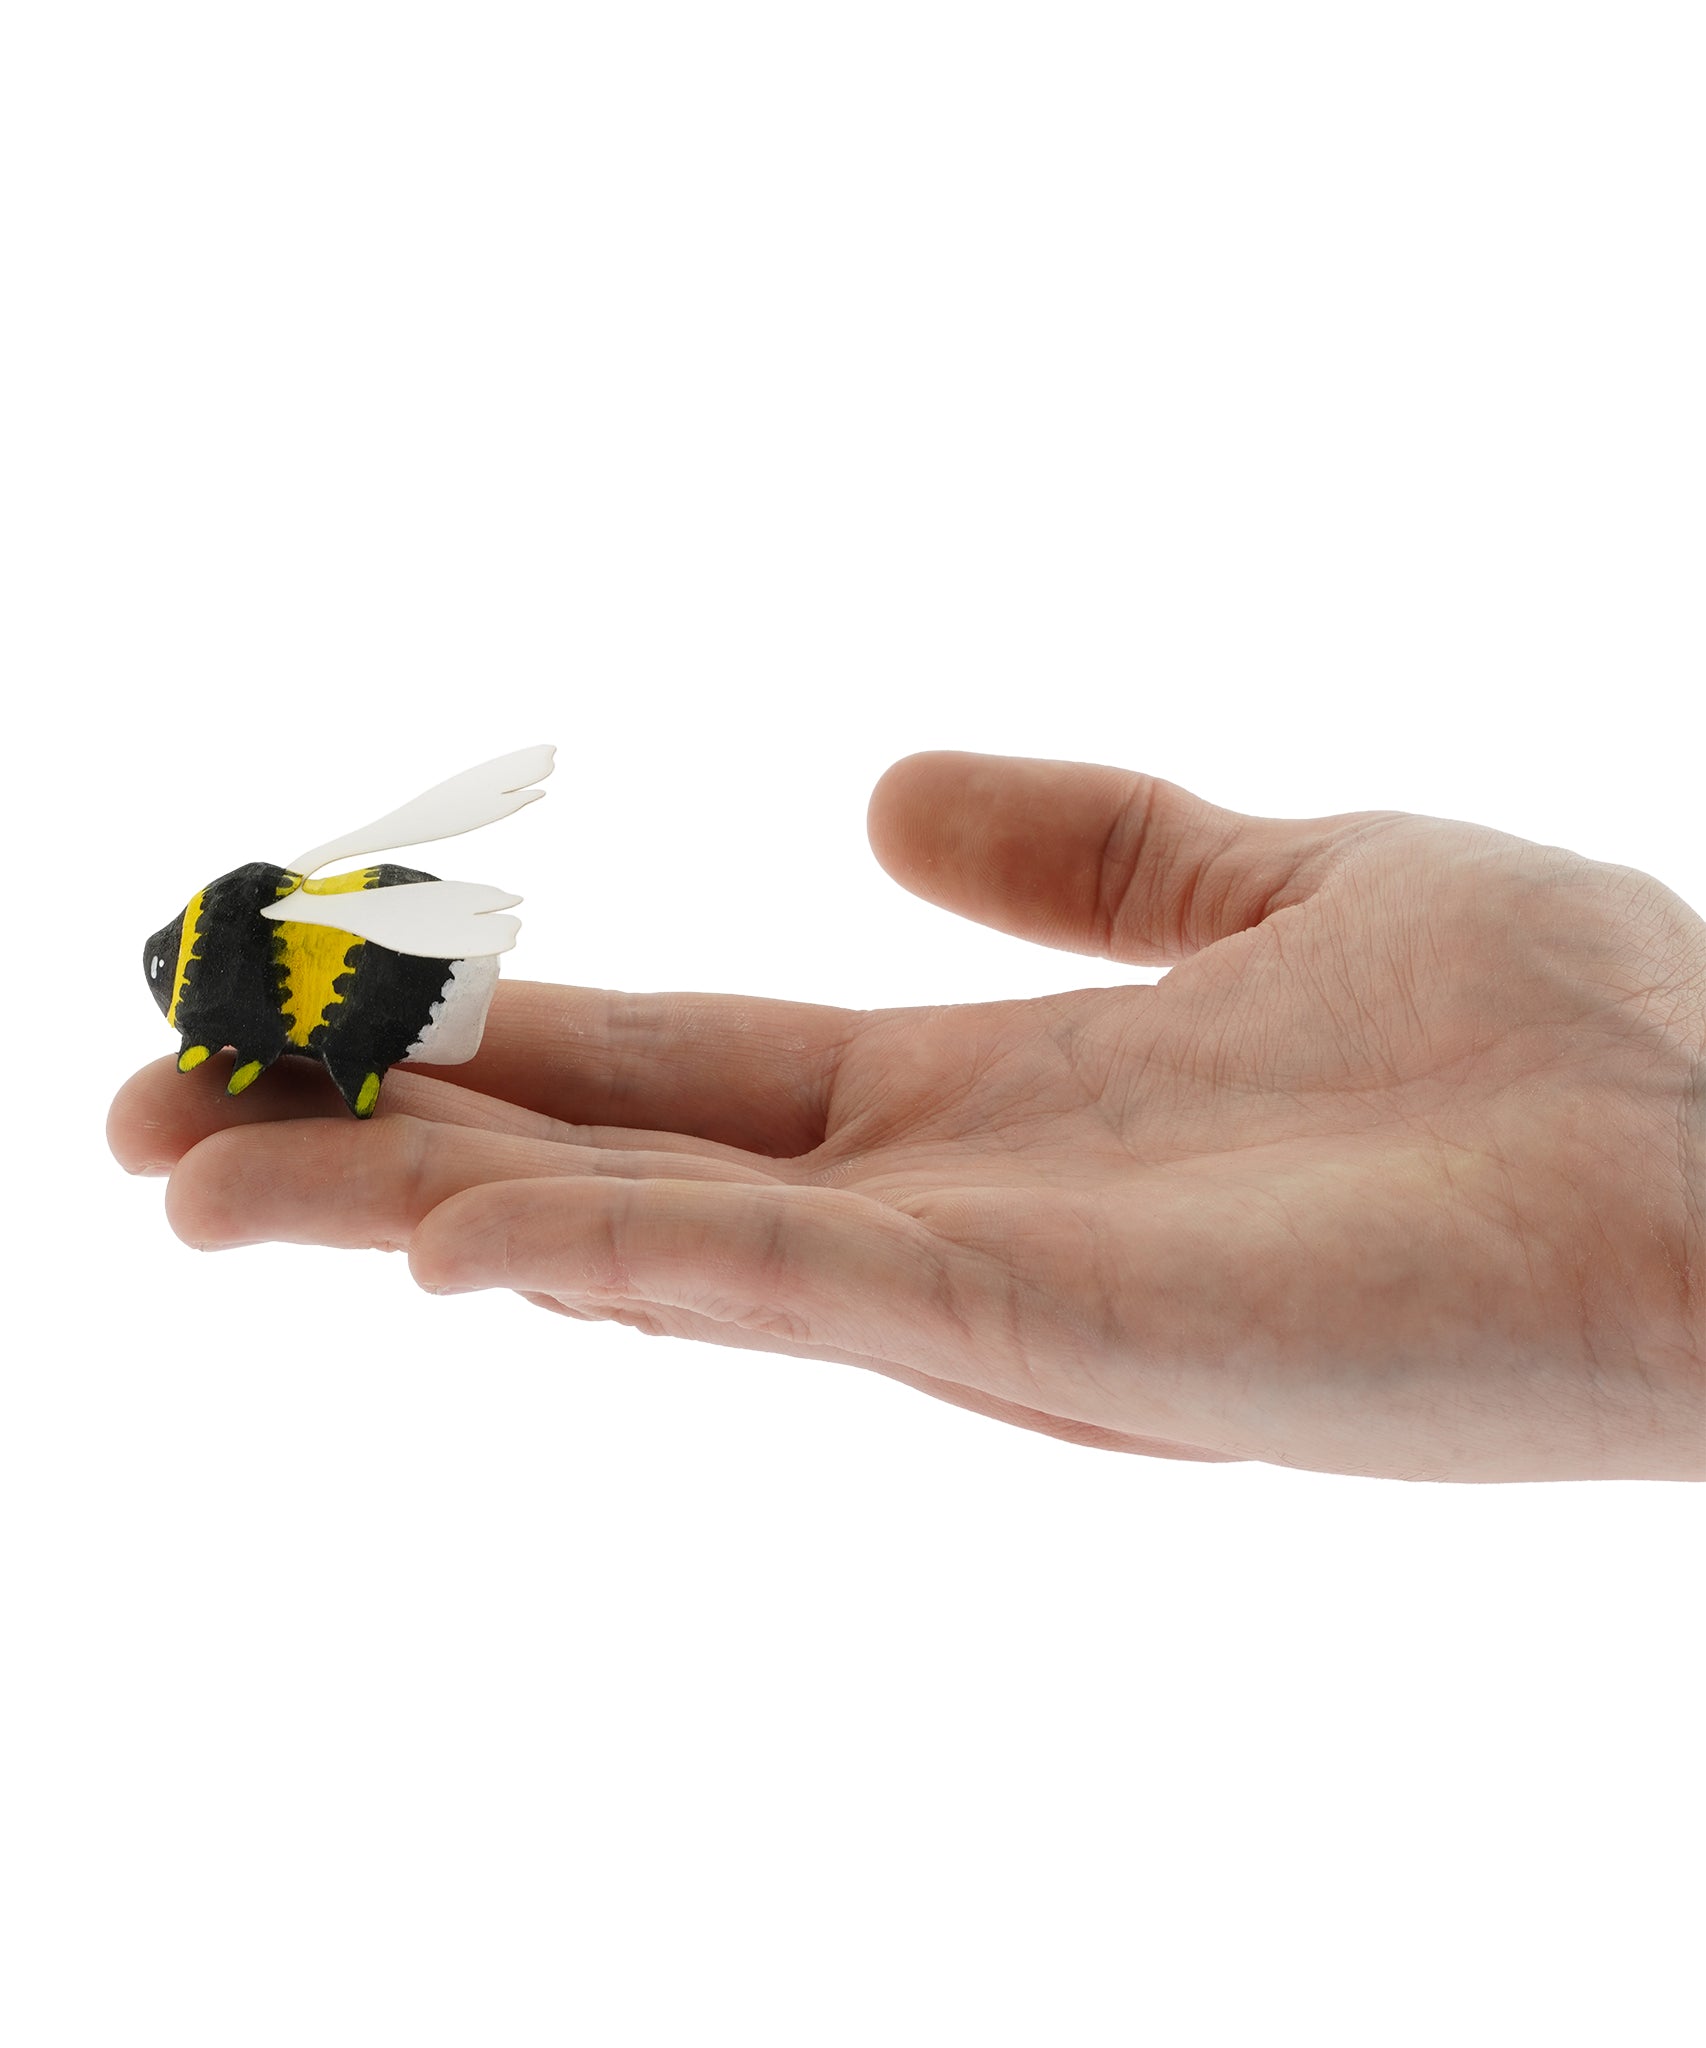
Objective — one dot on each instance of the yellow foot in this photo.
(247, 1072)
(191, 1056)
(367, 1095)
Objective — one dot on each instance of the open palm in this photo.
(1400, 1171)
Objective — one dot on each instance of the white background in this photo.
(1301, 402)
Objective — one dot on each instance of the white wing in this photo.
(476, 797)
(438, 920)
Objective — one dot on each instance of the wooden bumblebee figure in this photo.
(359, 970)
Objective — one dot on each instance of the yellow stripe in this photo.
(314, 956)
(341, 885)
(186, 953)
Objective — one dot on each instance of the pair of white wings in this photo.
(438, 920)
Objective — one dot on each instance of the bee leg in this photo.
(357, 1082)
(247, 1070)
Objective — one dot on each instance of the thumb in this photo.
(1090, 859)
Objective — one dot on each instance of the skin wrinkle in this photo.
(608, 1275)
(1691, 1165)
(1113, 1281)
(1586, 1280)
(1604, 1296)
(1358, 1028)
(1093, 1094)
(945, 1301)
(1180, 913)
(1511, 1220)
(1053, 1379)
(829, 1083)
(768, 1316)
(1600, 1405)
(1226, 913)
(1646, 1390)
(1114, 878)
(1037, 1305)
(1205, 1052)
(1133, 1099)
(1402, 981)
(415, 1139)
(1348, 844)
(1691, 1344)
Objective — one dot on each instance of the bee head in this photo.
(160, 961)
(212, 919)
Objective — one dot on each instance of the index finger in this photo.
(739, 1070)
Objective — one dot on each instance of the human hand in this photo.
(1401, 1171)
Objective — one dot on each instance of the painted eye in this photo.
(154, 968)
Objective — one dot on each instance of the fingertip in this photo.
(140, 1129)
(200, 1193)
(893, 784)
(904, 817)
(454, 1246)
